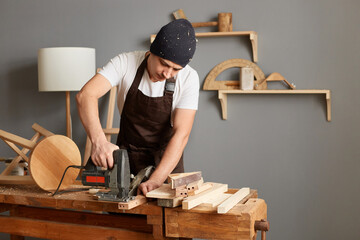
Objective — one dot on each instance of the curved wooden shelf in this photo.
(222, 95)
(252, 35)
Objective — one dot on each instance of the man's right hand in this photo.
(102, 154)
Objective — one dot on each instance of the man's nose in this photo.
(167, 72)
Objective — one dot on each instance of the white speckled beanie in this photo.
(175, 42)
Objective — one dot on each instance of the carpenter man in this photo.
(157, 100)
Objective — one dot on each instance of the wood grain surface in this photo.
(49, 160)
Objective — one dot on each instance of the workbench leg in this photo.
(158, 226)
(16, 237)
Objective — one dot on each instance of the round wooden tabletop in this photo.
(50, 158)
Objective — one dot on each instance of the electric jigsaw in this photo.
(117, 179)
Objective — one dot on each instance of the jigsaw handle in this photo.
(90, 166)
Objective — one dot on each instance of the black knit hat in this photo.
(175, 42)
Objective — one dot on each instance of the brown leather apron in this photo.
(145, 127)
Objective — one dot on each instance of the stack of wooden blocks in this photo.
(189, 190)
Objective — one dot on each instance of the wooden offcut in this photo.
(216, 200)
(139, 199)
(201, 189)
(163, 192)
(177, 180)
(193, 201)
(233, 200)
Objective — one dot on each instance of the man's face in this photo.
(160, 69)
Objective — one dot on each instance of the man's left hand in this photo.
(148, 186)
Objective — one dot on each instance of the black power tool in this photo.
(117, 179)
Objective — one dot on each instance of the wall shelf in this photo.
(222, 95)
(252, 35)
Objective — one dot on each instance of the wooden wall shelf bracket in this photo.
(252, 35)
(222, 95)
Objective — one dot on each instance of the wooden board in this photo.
(216, 200)
(233, 200)
(201, 189)
(49, 160)
(193, 201)
(139, 199)
(163, 192)
(181, 179)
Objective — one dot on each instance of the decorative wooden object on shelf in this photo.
(224, 22)
(273, 77)
(252, 35)
(210, 82)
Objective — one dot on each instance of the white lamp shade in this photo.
(65, 68)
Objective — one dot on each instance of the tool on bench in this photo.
(116, 179)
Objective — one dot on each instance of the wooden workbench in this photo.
(75, 215)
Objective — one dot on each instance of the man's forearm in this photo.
(89, 116)
(171, 157)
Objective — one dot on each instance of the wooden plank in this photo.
(139, 199)
(181, 191)
(16, 139)
(183, 179)
(193, 201)
(233, 200)
(216, 200)
(24, 180)
(163, 192)
(64, 231)
(195, 185)
(203, 188)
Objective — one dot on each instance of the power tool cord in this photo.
(71, 166)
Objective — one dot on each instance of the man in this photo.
(157, 100)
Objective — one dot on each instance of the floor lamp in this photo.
(65, 69)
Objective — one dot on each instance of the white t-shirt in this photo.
(121, 71)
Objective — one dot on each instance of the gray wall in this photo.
(307, 169)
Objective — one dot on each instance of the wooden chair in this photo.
(28, 145)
